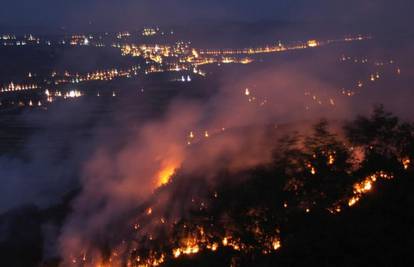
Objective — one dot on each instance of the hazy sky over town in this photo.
(97, 14)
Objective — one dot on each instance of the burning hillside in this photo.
(245, 215)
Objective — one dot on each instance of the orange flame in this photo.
(165, 174)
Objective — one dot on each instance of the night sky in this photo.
(106, 14)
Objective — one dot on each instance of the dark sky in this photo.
(134, 13)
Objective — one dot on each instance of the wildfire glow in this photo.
(406, 163)
(366, 186)
(190, 247)
(276, 244)
(353, 201)
(331, 160)
(166, 173)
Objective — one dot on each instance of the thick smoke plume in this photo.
(230, 129)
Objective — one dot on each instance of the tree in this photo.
(318, 168)
(385, 141)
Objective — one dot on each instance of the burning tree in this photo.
(318, 169)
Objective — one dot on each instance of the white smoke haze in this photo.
(51, 158)
(229, 131)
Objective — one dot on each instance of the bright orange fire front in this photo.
(165, 174)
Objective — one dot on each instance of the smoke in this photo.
(229, 130)
(50, 161)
